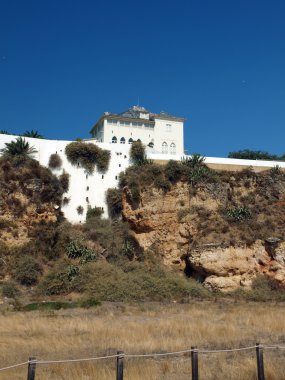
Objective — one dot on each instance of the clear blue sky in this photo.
(218, 63)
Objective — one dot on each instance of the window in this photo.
(87, 188)
(164, 147)
(102, 176)
(114, 140)
(119, 165)
(131, 141)
(168, 127)
(126, 123)
(112, 122)
(123, 140)
(172, 148)
(87, 199)
(151, 144)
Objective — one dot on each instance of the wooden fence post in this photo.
(194, 361)
(260, 364)
(120, 365)
(31, 369)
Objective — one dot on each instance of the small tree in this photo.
(55, 161)
(137, 153)
(33, 134)
(19, 147)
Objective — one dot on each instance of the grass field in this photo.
(145, 328)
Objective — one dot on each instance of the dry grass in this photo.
(143, 329)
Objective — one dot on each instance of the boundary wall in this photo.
(90, 189)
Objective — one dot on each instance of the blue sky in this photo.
(220, 64)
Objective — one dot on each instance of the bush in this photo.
(27, 271)
(162, 183)
(94, 212)
(64, 181)
(248, 154)
(88, 155)
(55, 161)
(137, 153)
(10, 290)
(173, 171)
(65, 201)
(239, 214)
(80, 210)
(76, 249)
(135, 282)
(114, 202)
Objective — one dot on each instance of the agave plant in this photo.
(33, 134)
(20, 147)
(195, 161)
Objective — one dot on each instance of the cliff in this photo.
(224, 232)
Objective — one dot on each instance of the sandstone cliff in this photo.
(219, 232)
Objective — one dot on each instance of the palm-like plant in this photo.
(33, 134)
(20, 147)
(4, 132)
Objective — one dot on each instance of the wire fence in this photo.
(193, 351)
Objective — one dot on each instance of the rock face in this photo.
(229, 268)
(189, 230)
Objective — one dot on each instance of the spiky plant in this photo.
(19, 147)
(33, 134)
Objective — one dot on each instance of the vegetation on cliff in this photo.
(88, 156)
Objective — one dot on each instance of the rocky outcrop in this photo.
(189, 230)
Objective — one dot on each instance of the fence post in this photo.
(260, 364)
(120, 365)
(194, 361)
(31, 369)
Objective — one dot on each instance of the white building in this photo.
(161, 132)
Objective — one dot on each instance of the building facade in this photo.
(162, 133)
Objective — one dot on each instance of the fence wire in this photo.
(149, 355)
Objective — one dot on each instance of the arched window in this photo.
(172, 148)
(164, 147)
(123, 140)
(151, 144)
(114, 140)
(131, 141)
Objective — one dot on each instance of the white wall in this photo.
(169, 131)
(127, 131)
(78, 179)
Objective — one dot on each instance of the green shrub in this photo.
(64, 181)
(114, 202)
(275, 171)
(19, 147)
(173, 171)
(50, 305)
(76, 249)
(65, 201)
(162, 183)
(94, 212)
(135, 282)
(27, 271)
(88, 155)
(55, 161)
(10, 289)
(80, 210)
(248, 154)
(239, 214)
(137, 153)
